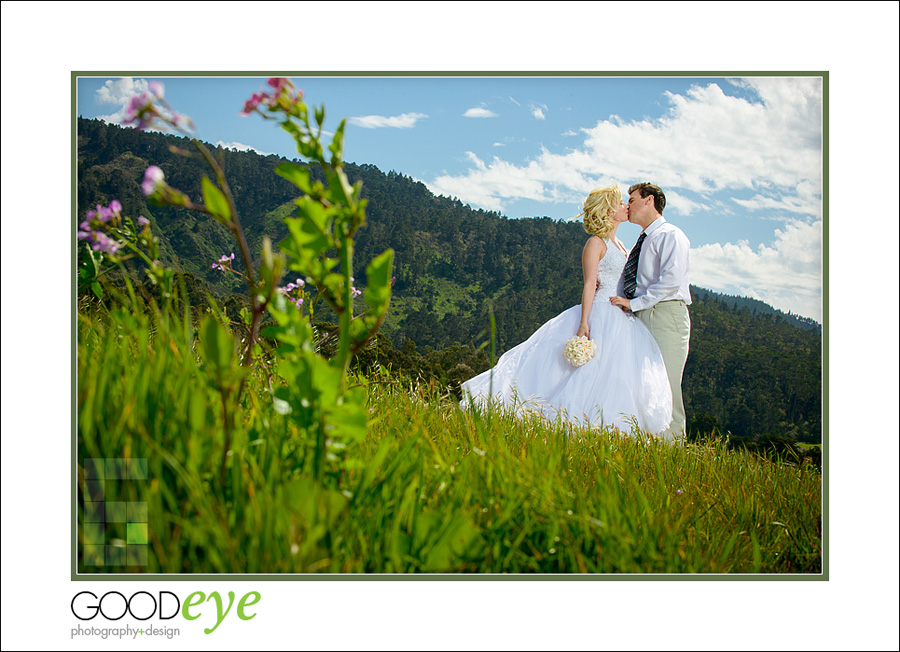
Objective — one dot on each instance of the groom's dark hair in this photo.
(647, 189)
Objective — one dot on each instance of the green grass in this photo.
(432, 489)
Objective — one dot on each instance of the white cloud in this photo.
(480, 112)
(706, 142)
(786, 274)
(806, 201)
(402, 121)
(678, 203)
(241, 147)
(537, 111)
(118, 93)
(499, 144)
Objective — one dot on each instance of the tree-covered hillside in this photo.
(752, 369)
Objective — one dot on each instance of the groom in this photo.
(655, 286)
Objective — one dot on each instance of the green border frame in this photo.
(76, 576)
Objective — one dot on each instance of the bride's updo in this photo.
(599, 207)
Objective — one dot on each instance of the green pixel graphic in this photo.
(113, 531)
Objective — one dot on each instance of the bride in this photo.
(625, 380)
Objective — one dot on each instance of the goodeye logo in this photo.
(165, 606)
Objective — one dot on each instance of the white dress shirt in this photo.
(663, 268)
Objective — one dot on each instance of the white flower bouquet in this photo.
(579, 351)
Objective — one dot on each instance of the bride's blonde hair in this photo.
(599, 207)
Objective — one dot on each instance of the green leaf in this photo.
(218, 346)
(197, 407)
(272, 264)
(337, 145)
(215, 201)
(340, 186)
(311, 231)
(97, 289)
(349, 421)
(281, 406)
(296, 174)
(378, 282)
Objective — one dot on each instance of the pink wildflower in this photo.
(251, 105)
(278, 83)
(154, 179)
(157, 89)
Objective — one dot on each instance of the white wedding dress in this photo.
(626, 378)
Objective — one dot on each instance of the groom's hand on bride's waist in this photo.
(621, 302)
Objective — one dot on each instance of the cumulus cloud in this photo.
(537, 111)
(678, 203)
(786, 274)
(402, 121)
(707, 142)
(241, 147)
(480, 112)
(118, 93)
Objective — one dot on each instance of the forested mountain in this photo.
(752, 369)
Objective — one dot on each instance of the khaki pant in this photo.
(670, 325)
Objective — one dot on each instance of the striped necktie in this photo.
(629, 275)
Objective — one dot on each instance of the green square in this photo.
(115, 555)
(137, 513)
(137, 554)
(93, 513)
(94, 534)
(94, 469)
(137, 469)
(115, 469)
(93, 490)
(115, 512)
(92, 555)
(137, 533)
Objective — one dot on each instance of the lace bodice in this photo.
(610, 268)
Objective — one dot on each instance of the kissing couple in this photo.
(634, 308)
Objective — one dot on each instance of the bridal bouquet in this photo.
(579, 351)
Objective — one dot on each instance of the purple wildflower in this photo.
(102, 242)
(142, 221)
(141, 110)
(224, 260)
(154, 179)
(102, 213)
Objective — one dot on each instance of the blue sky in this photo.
(739, 158)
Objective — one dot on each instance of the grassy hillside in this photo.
(430, 488)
